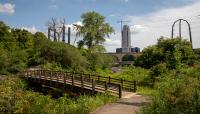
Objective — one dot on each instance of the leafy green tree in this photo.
(150, 57)
(66, 55)
(173, 52)
(39, 41)
(94, 29)
(4, 60)
(6, 37)
(23, 37)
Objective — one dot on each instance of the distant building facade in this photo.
(133, 50)
(126, 42)
(126, 39)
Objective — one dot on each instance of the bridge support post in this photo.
(120, 91)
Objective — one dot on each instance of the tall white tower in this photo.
(126, 39)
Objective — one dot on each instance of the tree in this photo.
(58, 28)
(173, 52)
(6, 37)
(23, 37)
(94, 29)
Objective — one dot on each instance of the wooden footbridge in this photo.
(89, 82)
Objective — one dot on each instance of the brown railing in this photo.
(95, 83)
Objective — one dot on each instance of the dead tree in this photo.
(52, 26)
(59, 30)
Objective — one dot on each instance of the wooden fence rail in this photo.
(95, 83)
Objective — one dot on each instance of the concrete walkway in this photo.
(129, 105)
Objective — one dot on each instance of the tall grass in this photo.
(178, 93)
(14, 98)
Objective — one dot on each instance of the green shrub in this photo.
(173, 52)
(178, 93)
(14, 98)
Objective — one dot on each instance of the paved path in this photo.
(129, 105)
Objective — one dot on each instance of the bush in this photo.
(155, 72)
(178, 93)
(173, 52)
(14, 98)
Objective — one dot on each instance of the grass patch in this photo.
(146, 91)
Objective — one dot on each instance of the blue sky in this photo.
(34, 14)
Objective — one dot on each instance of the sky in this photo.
(148, 19)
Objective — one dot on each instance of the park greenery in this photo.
(16, 99)
(168, 71)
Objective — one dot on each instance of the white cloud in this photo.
(151, 26)
(53, 1)
(124, 0)
(7, 8)
(32, 29)
(53, 6)
(138, 29)
(73, 29)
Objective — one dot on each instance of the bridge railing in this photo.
(88, 81)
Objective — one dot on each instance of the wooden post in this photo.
(34, 74)
(40, 73)
(135, 88)
(89, 76)
(98, 78)
(82, 84)
(45, 75)
(122, 81)
(72, 80)
(57, 79)
(26, 74)
(109, 79)
(51, 78)
(106, 86)
(120, 91)
(30, 73)
(93, 86)
(64, 80)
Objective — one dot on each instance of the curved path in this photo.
(129, 105)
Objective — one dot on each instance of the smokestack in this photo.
(54, 35)
(69, 34)
(49, 32)
(63, 34)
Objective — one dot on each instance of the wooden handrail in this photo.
(84, 81)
